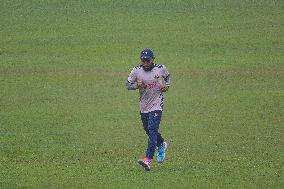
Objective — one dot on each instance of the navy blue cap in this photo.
(147, 54)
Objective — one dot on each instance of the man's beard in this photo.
(149, 68)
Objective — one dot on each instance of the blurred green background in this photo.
(67, 121)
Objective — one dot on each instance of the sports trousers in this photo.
(151, 122)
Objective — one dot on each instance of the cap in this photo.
(147, 54)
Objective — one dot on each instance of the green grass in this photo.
(67, 120)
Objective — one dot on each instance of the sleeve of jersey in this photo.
(131, 83)
(166, 76)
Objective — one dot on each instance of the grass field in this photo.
(67, 121)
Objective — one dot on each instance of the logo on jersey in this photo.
(151, 85)
(156, 77)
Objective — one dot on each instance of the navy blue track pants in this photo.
(151, 122)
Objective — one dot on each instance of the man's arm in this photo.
(131, 86)
(167, 79)
(131, 83)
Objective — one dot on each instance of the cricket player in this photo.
(152, 81)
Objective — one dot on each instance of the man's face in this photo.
(147, 63)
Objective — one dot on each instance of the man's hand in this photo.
(164, 88)
(140, 84)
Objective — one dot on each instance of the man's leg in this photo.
(153, 128)
(144, 119)
(151, 123)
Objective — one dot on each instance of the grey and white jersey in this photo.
(151, 97)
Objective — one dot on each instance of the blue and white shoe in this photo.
(162, 152)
